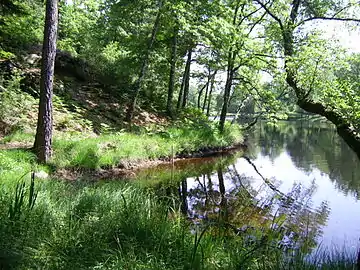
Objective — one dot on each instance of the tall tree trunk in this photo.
(232, 54)
(187, 78)
(144, 66)
(169, 107)
(181, 92)
(206, 86)
(43, 137)
(227, 91)
(210, 94)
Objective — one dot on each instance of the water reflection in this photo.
(297, 185)
(310, 146)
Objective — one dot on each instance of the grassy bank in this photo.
(89, 151)
(61, 225)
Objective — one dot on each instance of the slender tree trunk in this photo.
(230, 75)
(207, 89)
(187, 78)
(200, 94)
(181, 92)
(169, 107)
(227, 91)
(206, 86)
(210, 94)
(43, 137)
(144, 66)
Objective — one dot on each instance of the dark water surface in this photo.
(299, 179)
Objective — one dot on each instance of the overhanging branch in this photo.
(328, 19)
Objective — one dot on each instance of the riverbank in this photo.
(124, 152)
(85, 223)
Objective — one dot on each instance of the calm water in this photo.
(298, 178)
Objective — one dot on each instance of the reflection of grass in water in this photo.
(182, 169)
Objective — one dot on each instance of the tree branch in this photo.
(270, 13)
(295, 10)
(256, 23)
(328, 19)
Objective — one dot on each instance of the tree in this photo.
(144, 65)
(171, 88)
(237, 53)
(288, 23)
(43, 137)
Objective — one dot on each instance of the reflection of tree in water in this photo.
(311, 146)
(228, 201)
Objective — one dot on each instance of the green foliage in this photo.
(14, 106)
(6, 55)
(24, 27)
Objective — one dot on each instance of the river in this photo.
(298, 178)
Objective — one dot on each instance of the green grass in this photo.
(109, 150)
(121, 226)
(116, 225)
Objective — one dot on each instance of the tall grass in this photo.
(59, 225)
(104, 226)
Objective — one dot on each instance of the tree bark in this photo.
(144, 66)
(210, 94)
(200, 94)
(227, 90)
(43, 137)
(207, 89)
(169, 107)
(185, 97)
(181, 92)
(232, 54)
